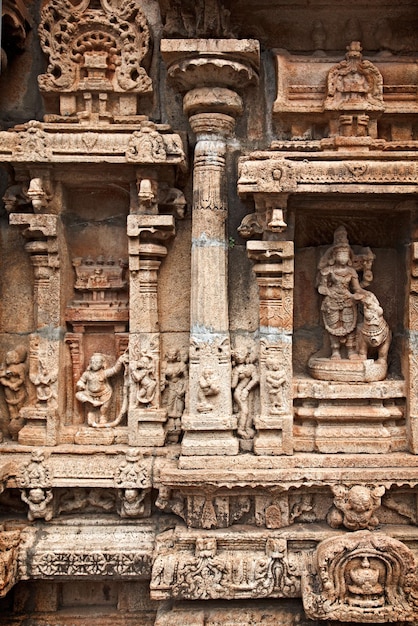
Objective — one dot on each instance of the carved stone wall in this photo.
(208, 313)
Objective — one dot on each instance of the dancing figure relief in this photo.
(95, 390)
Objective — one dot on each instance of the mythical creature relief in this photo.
(355, 507)
(133, 481)
(342, 278)
(35, 485)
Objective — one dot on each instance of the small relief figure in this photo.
(374, 331)
(13, 377)
(275, 380)
(244, 379)
(208, 390)
(40, 504)
(354, 508)
(44, 382)
(131, 502)
(94, 389)
(339, 283)
(174, 386)
(364, 587)
(143, 375)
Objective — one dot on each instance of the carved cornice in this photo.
(37, 142)
(273, 172)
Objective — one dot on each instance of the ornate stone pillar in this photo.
(274, 270)
(146, 417)
(44, 351)
(222, 66)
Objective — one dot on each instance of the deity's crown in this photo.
(340, 237)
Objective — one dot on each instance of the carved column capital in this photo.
(224, 66)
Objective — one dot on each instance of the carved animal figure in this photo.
(374, 331)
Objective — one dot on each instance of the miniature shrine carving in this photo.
(94, 60)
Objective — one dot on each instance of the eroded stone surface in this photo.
(208, 397)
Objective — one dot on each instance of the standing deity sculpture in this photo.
(174, 386)
(352, 316)
(94, 389)
(339, 283)
(13, 378)
(245, 378)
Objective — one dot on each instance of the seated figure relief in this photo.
(352, 316)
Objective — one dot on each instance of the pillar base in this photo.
(274, 435)
(146, 427)
(209, 443)
(41, 427)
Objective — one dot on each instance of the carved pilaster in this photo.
(42, 418)
(274, 271)
(146, 417)
(224, 66)
(413, 352)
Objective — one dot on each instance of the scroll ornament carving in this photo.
(211, 572)
(361, 577)
(89, 563)
(219, 348)
(14, 380)
(9, 544)
(35, 483)
(355, 507)
(108, 42)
